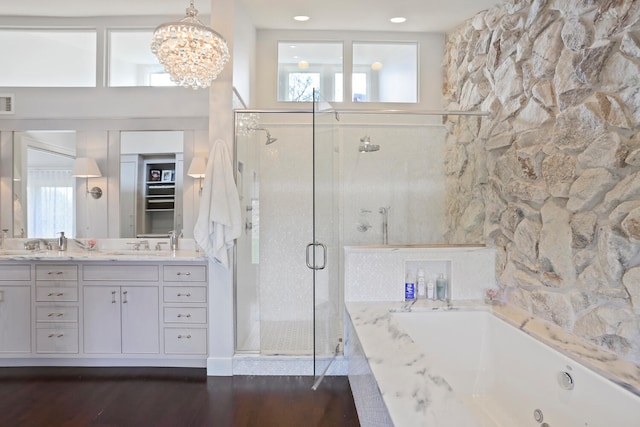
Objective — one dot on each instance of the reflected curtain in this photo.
(51, 202)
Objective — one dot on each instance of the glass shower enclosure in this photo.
(288, 300)
(314, 181)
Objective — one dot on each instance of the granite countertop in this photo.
(416, 395)
(106, 255)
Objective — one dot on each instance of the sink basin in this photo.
(133, 253)
(22, 252)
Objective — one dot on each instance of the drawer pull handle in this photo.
(55, 335)
(184, 295)
(184, 336)
(184, 274)
(55, 272)
(184, 315)
(124, 299)
(56, 314)
(55, 294)
(113, 297)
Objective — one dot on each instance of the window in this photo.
(48, 57)
(131, 62)
(385, 72)
(303, 66)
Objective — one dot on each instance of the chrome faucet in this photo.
(34, 245)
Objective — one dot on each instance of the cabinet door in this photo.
(101, 319)
(15, 318)
(140, 320)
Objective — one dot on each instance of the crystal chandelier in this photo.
(192, 53)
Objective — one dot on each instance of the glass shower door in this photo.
(323, 253)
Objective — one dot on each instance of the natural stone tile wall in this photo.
(552, 177)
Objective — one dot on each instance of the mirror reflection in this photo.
(151, 164)
(150, 184)
(43, 188)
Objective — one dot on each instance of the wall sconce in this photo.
(197, 169)
(84, 167)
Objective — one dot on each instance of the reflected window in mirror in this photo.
(43, 188)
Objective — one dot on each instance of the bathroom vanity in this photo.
(103, 309)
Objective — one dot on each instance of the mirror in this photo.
(151, 165)
(44, 192)
(43, 188)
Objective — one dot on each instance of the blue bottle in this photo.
(409, 287)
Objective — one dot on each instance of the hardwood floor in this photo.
(141, 397)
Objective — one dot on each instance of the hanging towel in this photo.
(219, 220)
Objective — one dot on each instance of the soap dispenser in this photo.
(62, 242)
(173, 240)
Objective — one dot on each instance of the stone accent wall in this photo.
(552, 177)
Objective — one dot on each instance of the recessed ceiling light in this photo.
(398, 19)
(301, 18)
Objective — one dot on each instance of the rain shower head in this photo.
(270, 139)
(367, 146)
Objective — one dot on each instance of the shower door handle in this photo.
(324, 256)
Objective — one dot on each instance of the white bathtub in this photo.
(496, 374)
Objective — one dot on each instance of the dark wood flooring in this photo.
(141, 397)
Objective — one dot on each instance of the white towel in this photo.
(219, 220)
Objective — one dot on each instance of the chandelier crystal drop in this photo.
(192, 53)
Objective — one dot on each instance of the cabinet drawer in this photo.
(185, 315)
(57, 340)
(185, 341)
(56, 314)
(56, 293)
(185, 294)
(15, 272)
(56, 272)
(119, 272)
(185, 273)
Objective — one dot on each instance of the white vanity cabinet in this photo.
(185, 309)
(120, 314)
(104, 312)
(15, 309)
(56, 308)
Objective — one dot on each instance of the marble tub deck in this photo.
(415, 395)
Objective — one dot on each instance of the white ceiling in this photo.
(360, 15)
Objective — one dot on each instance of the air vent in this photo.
(6, 103)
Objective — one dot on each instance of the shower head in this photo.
(367, 146)
(270, 139)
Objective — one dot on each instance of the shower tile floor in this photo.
(286, 338)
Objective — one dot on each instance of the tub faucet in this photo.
(384, 210)
(408, 304)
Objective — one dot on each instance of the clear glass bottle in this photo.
(441, 288)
